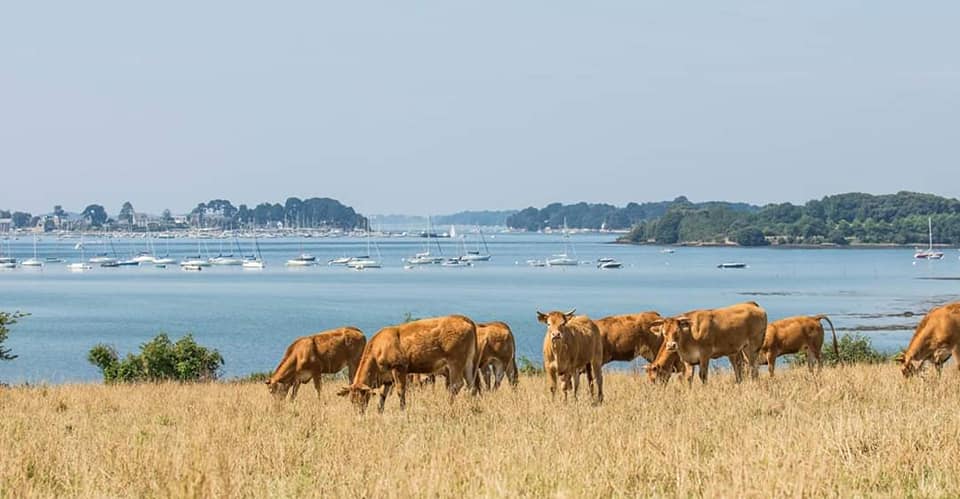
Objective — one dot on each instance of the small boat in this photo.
(191, 267)
(166, 260)
(536, 263)
(929, 253)
(253, 264)
(195, 261)
(160, 265)
(110, 265)
(455, 262)
(562, 260)
(363, 263)
(605, 259)
(668, 250)
(53, 259)
(732, 265)
(611, 264)
(298, 262)
(78, 266)
(7, 264)
(128, 263)
(102, 259)
(144, 257)
(35, 261)
(343, 260)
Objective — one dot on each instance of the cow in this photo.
(696, 337)
(310, 357)
(626, 337)
(793, 334)
(424, 346)
(570, 345)
(937, 338)
(496, 350)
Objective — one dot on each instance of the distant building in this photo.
(6, 224)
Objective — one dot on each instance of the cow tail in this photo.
(836, 347)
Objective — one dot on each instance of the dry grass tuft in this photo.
(859, 431)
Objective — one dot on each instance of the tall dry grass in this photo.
(860, 431)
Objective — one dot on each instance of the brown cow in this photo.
(625, 337)
(572, 344)
(496, 349)
(310, 357)
(936, 339)
(793, 334)
(425, 346)
(698, 336)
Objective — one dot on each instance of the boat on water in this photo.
(35, 261)
(929, 253)
(196, 261)
(455, 262)
(82, 265)
(298, 262)
(476, 255)
(536, 263)
(608, 263)
(256, 261)
(425, 257)
(194, 268)
(343, 260)
(732, 265)
(365, 262)
(564, 259)
(668, 251)
(166, 260)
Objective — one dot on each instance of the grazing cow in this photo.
(572, 344)
(625, 337)
(496, 349)
(425, 346)
(310, 357)
(936, 339)
(698, 336)
(791, 335)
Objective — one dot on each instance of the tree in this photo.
(159, 360)
(750, 236)
(127, 214)
(95, 215)
(8, 319)
(166, 216)
(21, 219)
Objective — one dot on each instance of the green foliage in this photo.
(528, 367)
(257, 377)
(854, 349)
(95, 215)
(159, 360)
(841, 219)
(8, 319)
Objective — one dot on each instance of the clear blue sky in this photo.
(438, 106)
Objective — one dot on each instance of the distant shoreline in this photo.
(787, 246)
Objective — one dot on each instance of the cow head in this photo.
(909, 367)
(670, 330)
(278, 389)
(359, 395)
(555, 321)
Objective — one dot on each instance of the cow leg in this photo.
(565, 385)
(956, 355)
(294, 389)
(498, 372)
(771, 361)
(400, 379)
(815, 353)
(704, 365)
(552, 378)
(512, 372)
(486, 377)
(598, 375)
(455, 378)
(383, 396)
(688, 372)
(736, 361)
(752, 359)
(589, 379)
(576, 384)
(316, 383)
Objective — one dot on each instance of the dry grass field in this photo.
(858, 431)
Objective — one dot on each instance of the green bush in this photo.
(854, 349)
(8, 319)
(528, 367)
(159, 360)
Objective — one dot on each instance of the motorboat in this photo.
(668, 251)
(732, 265)
(191, 267)
(195, 261)
(455, 262)
(253, 264)
(562, 260)
(609, 264)
(343, 260)
(298, 262)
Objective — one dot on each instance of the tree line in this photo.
(216, 213)
(840, 219)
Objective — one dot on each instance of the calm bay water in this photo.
(252, 315)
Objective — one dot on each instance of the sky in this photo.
(436, 106)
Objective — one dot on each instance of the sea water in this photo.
(251, 316)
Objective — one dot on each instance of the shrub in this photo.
(854, 349)
(159, 360)
(8, 319)
(528, 367)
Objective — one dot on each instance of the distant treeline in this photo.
(840, 219)
(597, 216)
(220, 213)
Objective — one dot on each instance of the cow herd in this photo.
(465, 352)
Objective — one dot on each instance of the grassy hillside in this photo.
(853, 431)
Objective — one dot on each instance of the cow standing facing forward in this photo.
(572, 344)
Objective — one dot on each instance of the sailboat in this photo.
(7, 262)
(929, 253)
(82, 265)
(365, 262)
(196, 261)
(35, 261)
(425, 257)
(476, 255)
(302, 260)
(102, 259)
(255, 262)
(563, 259)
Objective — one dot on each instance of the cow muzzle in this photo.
(671, 346)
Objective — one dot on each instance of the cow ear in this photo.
(343, 392)
(569, 315)
(657, 327)
(541, 317)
